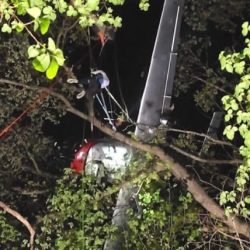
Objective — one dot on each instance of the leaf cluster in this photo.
(237, 118)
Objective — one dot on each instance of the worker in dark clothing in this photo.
(89, 87)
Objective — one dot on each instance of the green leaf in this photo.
(58, 56)
(35, 12)
(245, 28)
(49, 13)
(229, 68)
(93, 4)
(37, 3)
(71, 11)
(116, 2)
(246, 52)
(247, 139)
(42, 62)
(228, 117)
(22, 7)
(33, 51)
(222, 59)
(234, 105)
(52, 69)
(117, 22)
(61, 5)
(229, 131)
(239, 67)
(44, 25)
(243, 129)
(18, 26)
(51, 45)
(6, 28)
(7, 16)
(223, 197)
(36, 25)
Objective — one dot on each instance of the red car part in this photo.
(78, 164)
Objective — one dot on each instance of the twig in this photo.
(201, 180)
(202, 160)
(233, 237)
(31, 157)
(238, 237)
(200, 135)
(30, 193)
(22, 220)
(42, 174)
(30, 33)
(213, 85)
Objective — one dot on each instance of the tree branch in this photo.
(202, 160)
(211, 84)
(200, 135)
(22, 220)
(176, 169)
(30, 156)
(30, 193)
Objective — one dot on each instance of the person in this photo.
(90, 86)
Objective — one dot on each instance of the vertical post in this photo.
(156, 99)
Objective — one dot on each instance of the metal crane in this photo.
(156, 99)
(156, 104)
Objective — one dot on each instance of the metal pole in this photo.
(156, 99)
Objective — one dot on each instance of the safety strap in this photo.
(119, 106)
(106, 112)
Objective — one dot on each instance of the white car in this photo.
(107, 159)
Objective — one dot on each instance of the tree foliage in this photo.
(237, 117)
(69, 213)
(37, 17)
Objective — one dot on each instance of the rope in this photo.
(118, 77)
(106, 112)
(115, 101)
(33, 105)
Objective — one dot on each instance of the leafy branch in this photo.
(237, 118)
(175, 168)
(19, 217)
(42, 14)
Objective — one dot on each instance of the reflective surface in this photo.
(108, 160)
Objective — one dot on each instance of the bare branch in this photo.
(30, 156)
(30, 193)
(200, 135)
(211, 84)
(42, 174)
(202, 160)
(22, 220)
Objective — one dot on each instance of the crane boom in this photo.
(157, 95)
(156, 99)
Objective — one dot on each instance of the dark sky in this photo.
(133, 48)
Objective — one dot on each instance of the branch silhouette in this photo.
(19, 217)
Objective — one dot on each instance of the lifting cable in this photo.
(118, 80)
